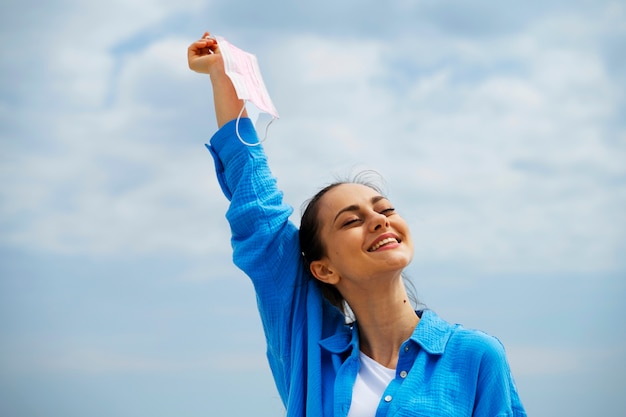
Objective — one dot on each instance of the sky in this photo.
(499, 127)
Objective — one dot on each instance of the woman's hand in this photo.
(204, 56)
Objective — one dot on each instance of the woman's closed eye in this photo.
(354, 220)
(351, 221)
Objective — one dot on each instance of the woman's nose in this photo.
(378, 221)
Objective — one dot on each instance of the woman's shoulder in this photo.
(477, 347)
(471, 342)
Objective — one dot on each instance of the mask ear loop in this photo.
(237, 128)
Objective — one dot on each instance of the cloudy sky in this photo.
(499, 128)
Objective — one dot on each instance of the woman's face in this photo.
(363, 235)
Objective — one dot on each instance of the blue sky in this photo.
(500, 130)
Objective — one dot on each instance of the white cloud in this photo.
(492, 165)
(119, 179)
(496, 145)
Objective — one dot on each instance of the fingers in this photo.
(199, 54)
(203, 47)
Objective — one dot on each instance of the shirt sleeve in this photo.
(265, 243)
(496, 393)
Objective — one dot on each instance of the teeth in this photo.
(382, 243)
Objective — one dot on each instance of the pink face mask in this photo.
(243, 70)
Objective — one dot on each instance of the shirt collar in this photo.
(432, 334)
(345, 339)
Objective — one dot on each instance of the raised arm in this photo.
(264, 241)
(204, 57)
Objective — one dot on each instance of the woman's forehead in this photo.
(348, 194)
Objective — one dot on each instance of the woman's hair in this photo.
(311, 244)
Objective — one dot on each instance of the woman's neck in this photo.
(385, 322)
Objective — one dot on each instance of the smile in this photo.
(382, 243)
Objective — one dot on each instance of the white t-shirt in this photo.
(371, 382)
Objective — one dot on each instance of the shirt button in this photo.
(406, 348)
(388, 398)
(403, 374)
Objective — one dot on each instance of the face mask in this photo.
(243, 70)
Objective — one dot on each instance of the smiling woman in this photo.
(352, 248)
(311, 244)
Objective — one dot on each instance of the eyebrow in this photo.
(355, 207)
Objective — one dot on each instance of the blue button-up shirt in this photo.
(442, 370)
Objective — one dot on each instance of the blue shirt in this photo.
(442, 370)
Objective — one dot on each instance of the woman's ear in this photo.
(322, 271)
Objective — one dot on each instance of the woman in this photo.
(351, 248)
